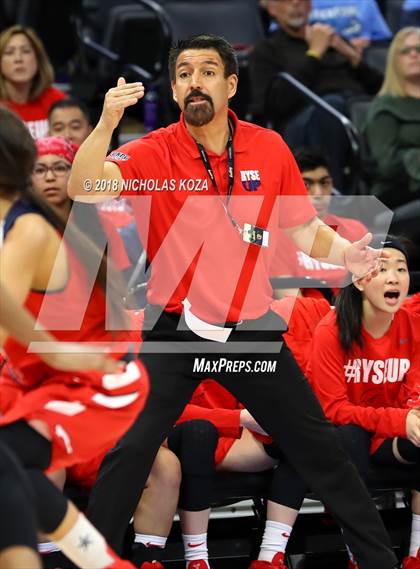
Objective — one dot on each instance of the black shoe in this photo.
(56, 560)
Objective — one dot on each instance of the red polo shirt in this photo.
(194, 249)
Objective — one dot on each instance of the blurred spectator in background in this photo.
(70, 118)
(50, 177)
(26, 78)
(393, 123)
(323, 61)
(359, 21)
(289, 260)
(410, 14)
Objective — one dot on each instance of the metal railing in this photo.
(347, 125)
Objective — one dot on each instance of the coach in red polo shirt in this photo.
(212, 189)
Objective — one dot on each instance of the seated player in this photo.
(289, 261)
(365, 370)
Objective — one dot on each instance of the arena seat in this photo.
(235, 486)
(352, 134)
(393, 14)
(375, 56)
(240, 24)
(136, 36)
(314, 532)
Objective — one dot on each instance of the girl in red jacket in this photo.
(26, 77)
(365, 370)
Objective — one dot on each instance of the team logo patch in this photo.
(119, 156)
(250, 180)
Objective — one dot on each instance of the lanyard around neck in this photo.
(231, 176)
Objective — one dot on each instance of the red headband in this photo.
(57, 145)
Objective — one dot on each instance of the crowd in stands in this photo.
(363, 367)
(26, 78)
(392, 129)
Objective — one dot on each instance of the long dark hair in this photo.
(17, 158)
(349, 313)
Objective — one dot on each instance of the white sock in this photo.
(195, 547)
(275, 538)
(150, 540)
(415, 535)
(350, 554)
(86, 547)
(47, 547)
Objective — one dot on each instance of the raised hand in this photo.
(360, 44)
(319, 37)
(117, 99)
(362, 261)
(346, 49)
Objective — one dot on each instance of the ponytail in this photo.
(349, 312)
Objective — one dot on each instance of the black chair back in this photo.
(238, 21)
(375, 56)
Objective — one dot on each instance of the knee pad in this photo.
(32, 449)
(11, 469)
(50, 504)
(17, 520)
(408, 451)
(287, 488)
(194, 443)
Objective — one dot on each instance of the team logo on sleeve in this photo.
(250, 180)
(119, 156)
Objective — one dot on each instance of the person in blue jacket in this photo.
(359, 22)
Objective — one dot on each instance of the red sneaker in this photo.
(412, 562)
(198, 564)
(118, 563)
(352, 565)
(276, 563)
(121, 564)
(151, 565)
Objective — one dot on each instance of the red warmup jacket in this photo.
(35, 113)
(373, 386)
(412, 304)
